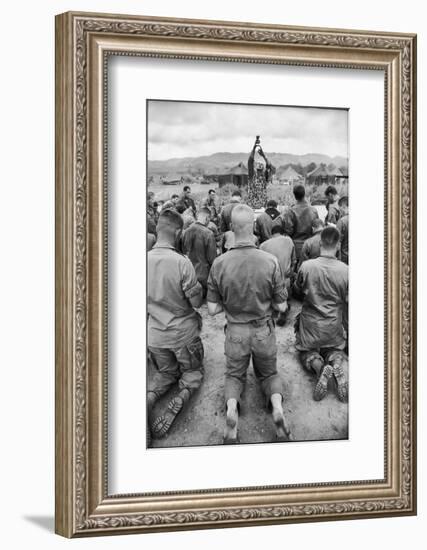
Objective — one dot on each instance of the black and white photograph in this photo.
(247, 273)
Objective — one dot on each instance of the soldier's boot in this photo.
(321, 388)
(313, 362)
(231, 421)
(151, 399)
(283, 432)
(340, 379)
(163, 423)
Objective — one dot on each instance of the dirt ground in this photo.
(202, 421)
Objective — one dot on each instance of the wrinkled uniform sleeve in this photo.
(333, 215)
(288, 222)
(213, 294)
(305, 252)
(223, 221)
(280, 294)
(190, 285)
(210, 248)
(340, 227)
(180, 206)
(293, 258)
(185, 242)
(300, 281)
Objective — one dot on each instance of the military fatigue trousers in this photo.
(183, 365)
(256, 340)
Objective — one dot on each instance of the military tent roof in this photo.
(238, 170)
(320, 171)
(289, 173)
(335, 172)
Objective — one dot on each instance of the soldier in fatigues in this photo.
(186, 201)
(320, 336)
(211, 203)
(247, 284)
(152, 214)
(283, 248)
(264, 222)
(225, 218)
(342, 227)
(297, 221)
(174, 345)
(334, 212)
(311, 247)
(171, 203)
(199, 245)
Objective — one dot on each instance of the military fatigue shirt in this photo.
(171, 282)
(212, 205)
(334, 213)
(199, 245)
(283, 248)
(212, 227)
(184, 203)
(246, 281)
(169, 205)
(152, 219)
(264, 223)
(311, 248)
(151, 241)
(300, 218)
(226, 216)
(324, 284)
(342, 227)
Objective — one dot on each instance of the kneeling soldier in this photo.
(247, 284)
(174, 345)
(320, 336)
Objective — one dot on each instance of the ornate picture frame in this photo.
(83, 43)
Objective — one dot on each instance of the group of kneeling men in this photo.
(265, 260)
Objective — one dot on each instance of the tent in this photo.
(237, 175)
(319, 175)
(288, 175)
(339, 175)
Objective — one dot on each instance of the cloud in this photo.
(182, 129)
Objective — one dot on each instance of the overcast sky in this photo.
(185, 129)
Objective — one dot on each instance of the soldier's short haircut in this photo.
(299, 192)
(211, 191)
(241, 216)
(175, 196)
(271, 204)
(331, 190)
(329, 237)
(170, 219)
(277, 229)
(316, 224)
(343, 201)
(236, 193)
(187, 188)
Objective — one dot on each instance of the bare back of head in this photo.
(242, 222)
(329, 240)
(169, 226)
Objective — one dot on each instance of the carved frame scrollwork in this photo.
(83, 43)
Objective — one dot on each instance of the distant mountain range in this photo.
(218, 163)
